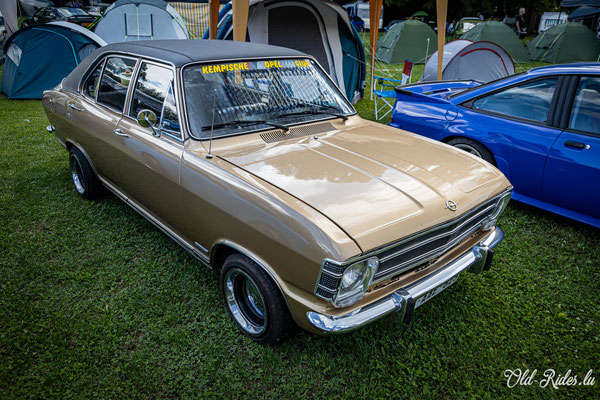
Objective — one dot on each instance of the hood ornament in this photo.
(450, 205)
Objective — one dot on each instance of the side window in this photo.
(585, 115)
(90, 88)
(529, 101)
(115, 81)
(151, 90)
(169, 120)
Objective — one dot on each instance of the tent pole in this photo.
(374, 15)
(240, 19)
(442, 8)
(213, 17)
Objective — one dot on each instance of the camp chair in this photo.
(385, 93)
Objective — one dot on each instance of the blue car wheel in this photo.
(473, 147)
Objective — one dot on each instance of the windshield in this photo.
(70, 12)
(258, 95)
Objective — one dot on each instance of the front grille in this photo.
(431, 243)
(412, 251)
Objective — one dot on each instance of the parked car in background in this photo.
(251, 159)
(466, 24)
(68, 14)
(541, 128)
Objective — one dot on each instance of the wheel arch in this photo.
(69, 144)
(449, 138)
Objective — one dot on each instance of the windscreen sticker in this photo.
(211, 69)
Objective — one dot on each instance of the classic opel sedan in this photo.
(252, 160)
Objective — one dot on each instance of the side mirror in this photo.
(147, 119)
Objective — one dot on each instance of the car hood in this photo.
(376, 183)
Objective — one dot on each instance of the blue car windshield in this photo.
(246, 96)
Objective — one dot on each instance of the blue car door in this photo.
(516, 121)
(572, 173)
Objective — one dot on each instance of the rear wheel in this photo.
(473, 147)
(84, 179)
(253, 300)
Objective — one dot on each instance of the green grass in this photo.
(97, 303)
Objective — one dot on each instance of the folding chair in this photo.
(385, 93)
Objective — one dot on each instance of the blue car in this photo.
(540, 128)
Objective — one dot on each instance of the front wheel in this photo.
(473, 147)
(253, 300)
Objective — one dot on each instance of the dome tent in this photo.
(463, 59)
(407, 40)
(564, 43)
(320, 28)
(130, 20)
(38, 57)
(502, 35)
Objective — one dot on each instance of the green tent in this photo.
(502, 35)
(566, 42)
(407, 40)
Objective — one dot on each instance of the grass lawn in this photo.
(97, 303)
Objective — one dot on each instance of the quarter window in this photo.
(151, 89)
(90, 88)
(529, 101)
(169, 120)
(585, 115)
(115, 81)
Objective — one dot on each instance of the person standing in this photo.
(520, 24)
(480, 16)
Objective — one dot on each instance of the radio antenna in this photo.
(212, 125)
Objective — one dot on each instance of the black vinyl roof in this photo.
(180, 52)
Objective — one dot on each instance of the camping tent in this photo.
(408, 40)
(38, 57)
(316, 27)
(567, 42)
(129, 20)
(502, 35)
(463, 59)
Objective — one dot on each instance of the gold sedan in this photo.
(251, 159)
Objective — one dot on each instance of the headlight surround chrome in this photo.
(501, 204)
(355, 281)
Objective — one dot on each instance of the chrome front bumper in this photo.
(407, 299)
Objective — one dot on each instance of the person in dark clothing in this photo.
(520, 24)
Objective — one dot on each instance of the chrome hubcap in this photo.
(468, 149)
(245, 301)
(77, 176)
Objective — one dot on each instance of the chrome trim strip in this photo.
(176, 238)
(406, 300)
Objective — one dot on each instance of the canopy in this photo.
(411, 40)
(564, 43)
(38, 57)
(502, 35)
(466, 60)
(129, 20)
(577, 3)
(320, 28)
(583, 11)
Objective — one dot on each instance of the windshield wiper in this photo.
(315, 112)
(245, 122)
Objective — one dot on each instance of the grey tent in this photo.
(411, 40)
(129, 20)
(320, 28)
(463, 59)
(567, 42)
(502, 35)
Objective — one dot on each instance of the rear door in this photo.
(517, 119)
(148, 158)
(97, 113)
(572, 174)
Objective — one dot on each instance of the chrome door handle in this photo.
(74, 107)
(119, 132)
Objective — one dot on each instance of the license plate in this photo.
(434, 292)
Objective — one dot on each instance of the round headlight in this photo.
(354, 275)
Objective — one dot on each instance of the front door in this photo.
(149, 158)
(572, 174)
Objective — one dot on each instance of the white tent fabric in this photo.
(321, 34)
(8, 9)
(82, 30)
(127, 20)
(465, 60)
